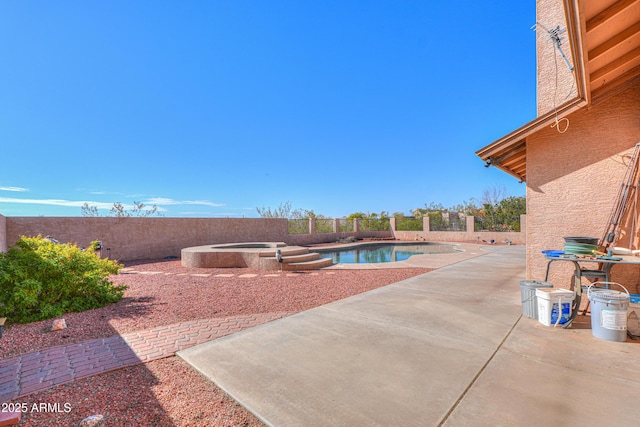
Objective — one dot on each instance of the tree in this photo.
(431, 207)
(469, 207)
(298, 218)
(513, 206)
(139, 209)
(493, 195)
(89, 210)
(504, 215)
(282, 211)
(496, 212)
(372, 221)
(404, 223)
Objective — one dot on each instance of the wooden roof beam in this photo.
(615, 41)
(608, 13)
(618, 63)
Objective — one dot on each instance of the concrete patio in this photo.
(449, 347)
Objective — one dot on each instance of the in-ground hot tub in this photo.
(228, 255)
(258, 255)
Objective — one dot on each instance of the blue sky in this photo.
(213, 108)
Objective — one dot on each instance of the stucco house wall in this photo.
(574, 155)
(573, 179)
(554, 81)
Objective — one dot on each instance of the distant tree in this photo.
(119, 210)
(496, 212)
(356, 215)
(467, 207)
(282, 211)
(404, 223)
(303, 214)
(89, 210)
(299, 222)
(503, 215)
(372, 221)
(298, 218)
(493, 195)
(437, 220)
(513, 206)
(139, 209)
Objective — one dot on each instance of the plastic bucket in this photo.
(633, 315)
(554, 306)
(609, 313)
(529, 299)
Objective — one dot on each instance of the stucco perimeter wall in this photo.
(470, 235)
(517, 238)
(131, 239)
(574, 178)
(3, 234)
(147, 238)
(312, 239)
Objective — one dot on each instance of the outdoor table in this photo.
(604, 264)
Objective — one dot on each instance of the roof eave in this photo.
(501, 148)
(502, 145)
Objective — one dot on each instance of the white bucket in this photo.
(633, 315)
(609, 313)
(554, 306)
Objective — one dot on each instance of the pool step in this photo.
(308, 265)
(294, 259)
(286, 251)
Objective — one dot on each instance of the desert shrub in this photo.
(409, 224)
(40, 279)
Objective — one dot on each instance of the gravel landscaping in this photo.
(167, 392)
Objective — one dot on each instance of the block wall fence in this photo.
(129, 239)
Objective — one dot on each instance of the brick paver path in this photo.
(40, 370)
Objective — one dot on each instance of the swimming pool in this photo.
(383, 252)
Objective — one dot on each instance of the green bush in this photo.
(409, 224)
(375, 224)
(40, 279)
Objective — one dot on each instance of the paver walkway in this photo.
(33, 372)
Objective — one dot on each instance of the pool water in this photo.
(383, 252)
